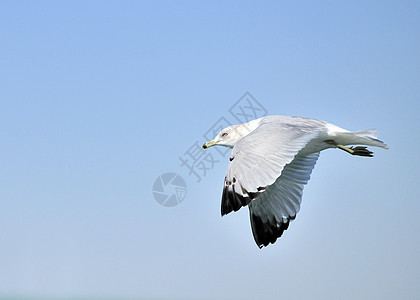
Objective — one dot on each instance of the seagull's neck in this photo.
(251, 126)
(241, 131)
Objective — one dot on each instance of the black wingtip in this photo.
(232, 201)
(266, 233)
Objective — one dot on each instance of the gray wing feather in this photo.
(271, 212)
(259, 158)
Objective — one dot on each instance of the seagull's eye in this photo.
(224, 134)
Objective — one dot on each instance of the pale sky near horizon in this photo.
(100, 98)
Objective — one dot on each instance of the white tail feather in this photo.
(366, 137)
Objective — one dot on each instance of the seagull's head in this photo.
(228, 137)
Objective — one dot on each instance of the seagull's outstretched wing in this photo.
(271, 211)
(259, 159)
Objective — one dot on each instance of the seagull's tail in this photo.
(368, 137)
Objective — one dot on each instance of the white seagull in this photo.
(272, 159)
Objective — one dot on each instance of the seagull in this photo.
(272, 159)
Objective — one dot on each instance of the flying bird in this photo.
(272, 159)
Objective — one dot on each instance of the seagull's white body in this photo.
(271, 161)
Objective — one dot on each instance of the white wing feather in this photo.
(272, 210)
(259, 158)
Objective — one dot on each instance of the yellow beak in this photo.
(208, 144)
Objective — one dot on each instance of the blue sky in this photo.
(99, 98)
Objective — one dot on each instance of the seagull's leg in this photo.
(359, 150)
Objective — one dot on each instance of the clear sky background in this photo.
(99, 98)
